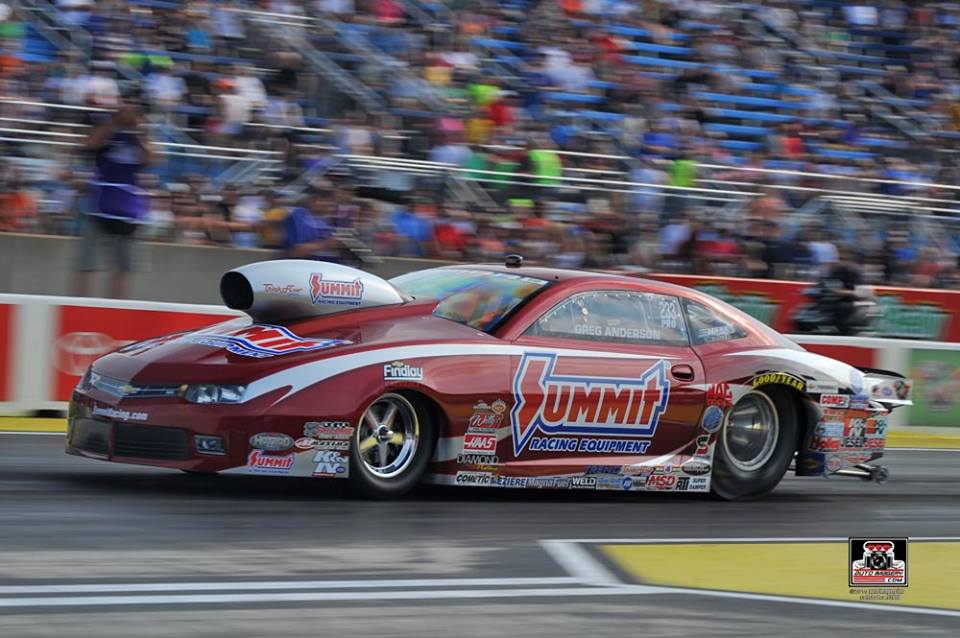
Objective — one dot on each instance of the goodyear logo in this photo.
(779, 378)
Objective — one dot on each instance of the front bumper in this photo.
(163, 433)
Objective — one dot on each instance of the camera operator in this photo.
(840, 286)
(121, 150)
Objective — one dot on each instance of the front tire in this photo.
(755, 445)
(392, 446)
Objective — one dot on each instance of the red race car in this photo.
(500, 376)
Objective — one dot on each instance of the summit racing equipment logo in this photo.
(599, 406)
(331, 291)
(876, 562)
(260, 341)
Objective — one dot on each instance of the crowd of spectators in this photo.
(519, 96)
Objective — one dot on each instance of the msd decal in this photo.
(259, 341)
(331, 291)
(572, 405)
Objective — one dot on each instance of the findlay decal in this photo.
(572, 405)
(259, 341)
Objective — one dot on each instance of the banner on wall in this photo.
(85, 333)
(906, 313)
(6, 351)
(936, 388)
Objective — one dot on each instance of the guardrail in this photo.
(46, 344)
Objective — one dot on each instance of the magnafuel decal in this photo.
(572, 411)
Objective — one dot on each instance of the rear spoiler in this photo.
(890, 389)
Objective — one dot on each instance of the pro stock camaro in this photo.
(503, 376)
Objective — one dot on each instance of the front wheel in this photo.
(392, 446)
(755, 446)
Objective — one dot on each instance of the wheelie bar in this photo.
(877, 473)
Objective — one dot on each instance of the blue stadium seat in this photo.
(756, 116)
(745, 100)
(740, 145)
(737, 129)
(664, 62)
(573, 98)
(649, 47)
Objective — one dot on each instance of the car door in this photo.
(603, 376)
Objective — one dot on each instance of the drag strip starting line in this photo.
(588, 577)
(661, 565)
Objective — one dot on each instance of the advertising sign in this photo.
(936, 388)
(6, 351)
(84, 333)
(905, 313)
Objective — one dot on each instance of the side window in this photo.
(615, 317)
(706, 326)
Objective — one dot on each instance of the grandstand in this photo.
(709, 136)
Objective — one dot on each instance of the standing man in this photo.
(121, 150)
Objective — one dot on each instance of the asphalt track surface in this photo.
(95, 549)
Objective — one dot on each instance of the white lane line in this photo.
(579, 563)
(33, 433)
(731, 539)
(570, 555)
(372, 597)
(811, 601)
(93, 588)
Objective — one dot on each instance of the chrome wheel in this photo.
(751, 432)
(387, 438)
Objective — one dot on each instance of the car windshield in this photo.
(476, 298)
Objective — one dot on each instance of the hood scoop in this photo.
(287, 289)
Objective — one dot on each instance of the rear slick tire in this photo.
(755, 446)
(391, 447)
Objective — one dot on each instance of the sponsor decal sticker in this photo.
(331, 464)
(338, 293)
(288, 290)
(859, 402)
(695, 468)
(835, 400)
(259, 341)
(119, 415)
(487, 416)
(510, 481)
(627, 483)
(855, 434)
(555, 404)
(779, 378)
(474, 443)
(474, 478)
(702, 446)
(400, 371)
(271, 441)
(683, 483)
(822, 387)
(824, 443)
(583, 483)
(477, 459)
(878, 562)
(662, 482)
(834, 463)
(712, 418)
(307, 443)
(549, 482)
(700, 484)
(262, 463)
(327, 429)
(719, 394)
